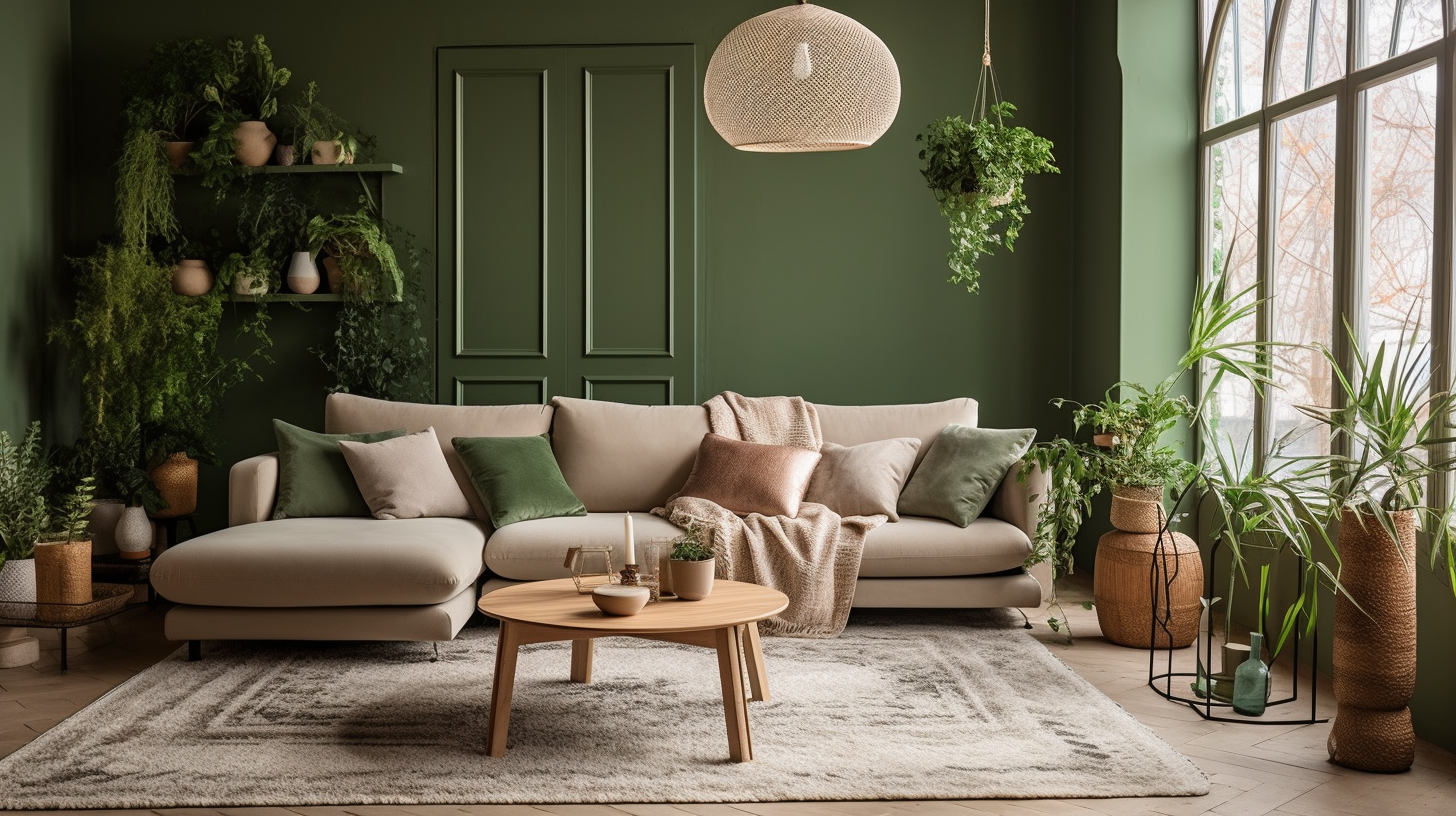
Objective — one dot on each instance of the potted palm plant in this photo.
(1388, 436)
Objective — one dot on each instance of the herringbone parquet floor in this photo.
(1255, 770)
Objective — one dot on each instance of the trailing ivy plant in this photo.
(977, 172)
(145, 190)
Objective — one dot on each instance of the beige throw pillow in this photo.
(863, 480)
(748, 477)
(406, 477)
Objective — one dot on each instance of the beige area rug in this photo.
(901, 706)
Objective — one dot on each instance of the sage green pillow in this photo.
(962, 470)
(517, 478)
(313, 477)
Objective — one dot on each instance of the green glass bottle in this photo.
(1251, 680)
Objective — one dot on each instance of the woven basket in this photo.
(1123, 588)
(62, 579)
(176, 480)
(1374, 656)
(1138, 509)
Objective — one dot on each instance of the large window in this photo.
(1326, 182)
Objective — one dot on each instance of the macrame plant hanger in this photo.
(988, 94)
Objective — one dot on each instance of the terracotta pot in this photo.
(692, 580)
(283, 155)
(1138, 509)
(180, 153)
(62, 580)
(325, 153)
(176, 479)
(1125, 597)
(17, 584)
(102, 527)
(255, 143)
(1104, 440)
(303, 274)
(1374, 657)
(192, 278)
(134, 534)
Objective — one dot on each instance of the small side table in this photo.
(107, 601)
(113, 569)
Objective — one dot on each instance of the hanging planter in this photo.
(977, 171)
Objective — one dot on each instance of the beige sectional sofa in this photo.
(417, 579)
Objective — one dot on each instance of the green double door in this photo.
(567, 228)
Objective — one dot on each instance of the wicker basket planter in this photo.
(62, 579)
(1138, 509)
(176, 479)
(1375, 653)
(1123, 589)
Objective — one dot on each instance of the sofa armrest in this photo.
(252, 489)
(1020, 503)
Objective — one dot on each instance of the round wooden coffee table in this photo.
(549, 611)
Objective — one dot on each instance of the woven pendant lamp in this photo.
(801, 79)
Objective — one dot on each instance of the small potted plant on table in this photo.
(691, 565)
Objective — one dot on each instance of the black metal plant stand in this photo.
(1161, 580)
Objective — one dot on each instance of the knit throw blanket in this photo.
(813, 558)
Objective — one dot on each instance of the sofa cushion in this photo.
(621, 458)
(406, 478)
(964, 467)
(518, 478)
(347, 413)
(535, 550)
(324, 562)
(863, 480)
(916, 547)
(749, 477)
(313, 476)
(857, 424)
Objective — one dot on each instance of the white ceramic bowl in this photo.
(620, 600)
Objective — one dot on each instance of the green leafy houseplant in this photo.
(366, 259)
(313, 121)
(244, 88)
(28, 514)
(977, 172)
(690, 546)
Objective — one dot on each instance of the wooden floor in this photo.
(1254, 769)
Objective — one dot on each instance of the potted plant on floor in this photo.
(978, 172)
(1388, 437)
(691, 564)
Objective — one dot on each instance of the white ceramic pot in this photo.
(255, 143)
(250, 285)
(324, 153)
(692, 580)
(17, 585)
(192, 278)
(303, 274)
(102, 526)
(134, 533)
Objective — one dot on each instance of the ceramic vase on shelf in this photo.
(1251, 680)
(134, 533)
(324, 152)
(283, 155)
(250, 285)
(303, 274)
(255, 143)
(1374, 658)
(692, 580)
(191, 277)
(179, 154)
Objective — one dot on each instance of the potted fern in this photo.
(360, 260)
(978, 172)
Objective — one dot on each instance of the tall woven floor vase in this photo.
(1375, 654)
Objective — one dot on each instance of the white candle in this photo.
(627, 532)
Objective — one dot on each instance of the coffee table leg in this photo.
(581, 660)
(500, 692)
(735, 707)
(753, 658)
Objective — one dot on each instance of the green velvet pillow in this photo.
(962, 470)
(517, 478)
(313, 477)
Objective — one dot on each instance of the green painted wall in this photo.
(822, 274)
(34, 60)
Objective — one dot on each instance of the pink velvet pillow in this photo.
(747, 477)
